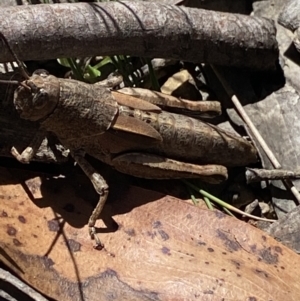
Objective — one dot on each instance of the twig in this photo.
(6, 297)
(8, 277)
(247, 120)
(257, 175)
(255, 132)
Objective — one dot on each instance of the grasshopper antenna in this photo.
(20, 65)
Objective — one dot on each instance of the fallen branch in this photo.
(140, 29)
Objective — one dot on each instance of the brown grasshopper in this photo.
(134, 136)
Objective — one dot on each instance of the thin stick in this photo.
(257, 175)
(288, 183)
(247, 120)
(7, 277)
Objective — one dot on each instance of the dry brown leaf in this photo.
(164, 248)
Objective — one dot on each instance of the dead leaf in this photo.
(164, 248)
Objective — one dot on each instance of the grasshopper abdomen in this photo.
(192, 140)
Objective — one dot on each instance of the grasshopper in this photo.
(134, 136)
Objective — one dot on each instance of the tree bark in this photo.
(138, 29)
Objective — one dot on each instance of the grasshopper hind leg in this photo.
(151, 166)
(100, 186)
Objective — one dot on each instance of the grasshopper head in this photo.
(37, 97)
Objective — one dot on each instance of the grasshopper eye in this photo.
(40, 99)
